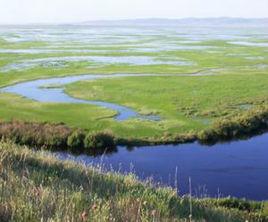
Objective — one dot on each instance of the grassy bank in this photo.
(61, 137)
(241, 126)
(37, 187)
(57, 137)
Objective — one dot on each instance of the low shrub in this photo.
(56, 137)
(247, 124)
(61, 137)
(75, 141)
(47, 135)
(240, 204)
(99, 141)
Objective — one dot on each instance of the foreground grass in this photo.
(36, 186)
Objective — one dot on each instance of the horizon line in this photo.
(131, 19)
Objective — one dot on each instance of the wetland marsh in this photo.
(145, 82)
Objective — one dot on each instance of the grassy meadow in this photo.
(184, 104)
(230, 78)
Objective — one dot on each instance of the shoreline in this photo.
(77, 179)
(53, 136)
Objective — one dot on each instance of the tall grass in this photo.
(243, 125)
(56, 137)
(34, 186)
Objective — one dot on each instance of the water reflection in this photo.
(238, 168)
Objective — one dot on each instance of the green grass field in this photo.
(232, 79)
(183, 103)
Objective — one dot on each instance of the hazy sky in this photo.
(57, 11)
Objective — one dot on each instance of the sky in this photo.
(62, 11)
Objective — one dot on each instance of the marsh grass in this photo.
(61, 137)
(56, 137)
(251, 122)
(35, 186)
(236, 80)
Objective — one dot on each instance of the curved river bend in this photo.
(239, 168)
(39, 90)
(51, 90)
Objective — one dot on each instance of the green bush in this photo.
(99, 141)
(240, 204)
(75, 141)
(49, 136)
(247, 124)
(56, 137)
(61, 137)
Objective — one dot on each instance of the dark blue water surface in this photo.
(238, 168)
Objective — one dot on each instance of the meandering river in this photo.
(51, 90)
(238, 168)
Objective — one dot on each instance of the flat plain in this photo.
(211, 73)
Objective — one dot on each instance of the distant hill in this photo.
(186, 21)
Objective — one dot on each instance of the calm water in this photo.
(139, 44)
(39, 90)
(239, 168)
(96, 60)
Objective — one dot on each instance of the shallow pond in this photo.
(239, 168)
(96, 60)
(255, 44)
